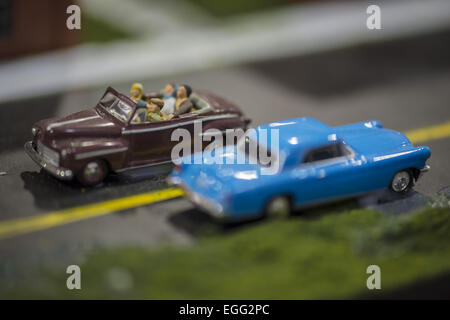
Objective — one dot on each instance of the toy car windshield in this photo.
(116, 107)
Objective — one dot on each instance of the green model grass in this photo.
(305, 257)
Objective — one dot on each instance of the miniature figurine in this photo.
(315, 163)
(136, 95)
(169, 97)
(112, 138)
(182, 103)
(154, 110)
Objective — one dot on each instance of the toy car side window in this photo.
(334, 150)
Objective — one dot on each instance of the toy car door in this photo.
(330, 173)
(152, 142)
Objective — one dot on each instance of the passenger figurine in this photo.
(182, 104)
(154, 110)
(169, 96)
(136, 95)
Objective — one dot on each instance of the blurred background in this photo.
(275, 59)
(121, 41)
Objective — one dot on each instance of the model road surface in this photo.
(404, 84)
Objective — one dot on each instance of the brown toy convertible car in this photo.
(90, 143)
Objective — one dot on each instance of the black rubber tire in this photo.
(88, 178)
(279, 207)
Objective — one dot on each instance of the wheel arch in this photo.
(415, 172)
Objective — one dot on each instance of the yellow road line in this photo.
(14, 227)
(429, 133)
(19, 226)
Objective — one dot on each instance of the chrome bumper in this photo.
(423, 170)
(212, 208)
(58, 172)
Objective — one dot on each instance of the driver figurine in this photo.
(154, 110)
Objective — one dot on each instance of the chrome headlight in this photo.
(34, 131)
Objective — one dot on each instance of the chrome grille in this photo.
(47, 153)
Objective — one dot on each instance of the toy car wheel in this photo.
(278, 207)
(402, 181)
(93, 173)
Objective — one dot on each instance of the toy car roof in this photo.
(301, 133)
(305, 133)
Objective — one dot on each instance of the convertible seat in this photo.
(201, 106)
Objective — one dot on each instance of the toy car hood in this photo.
(81, 124)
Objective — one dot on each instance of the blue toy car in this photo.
(316, 163)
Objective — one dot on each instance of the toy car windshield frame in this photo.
(118, 107)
